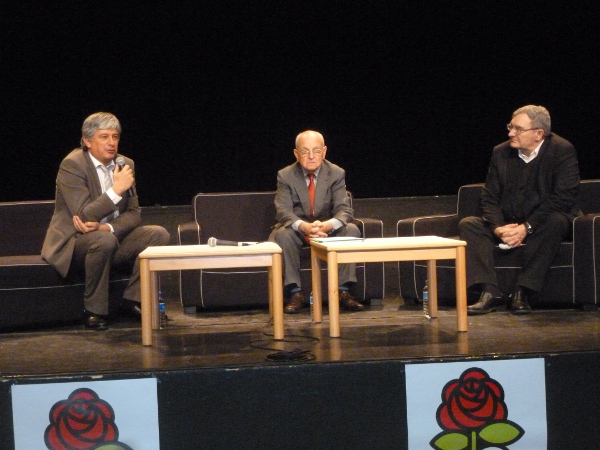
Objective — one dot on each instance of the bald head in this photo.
(310, 134)
(310, 150)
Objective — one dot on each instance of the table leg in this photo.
(276, 296)
(146, 306)
(432, 288)
(154, 296)
(334, 297)
(461, 289)
(315, 268)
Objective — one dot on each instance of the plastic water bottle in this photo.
(310, 301)
(426, 299)
(162, 313)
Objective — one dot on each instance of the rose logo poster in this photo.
(100, 415)
(454, 406)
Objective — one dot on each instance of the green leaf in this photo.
(500, 433)
(450, 441)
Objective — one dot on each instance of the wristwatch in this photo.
(528, 227)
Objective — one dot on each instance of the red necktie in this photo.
(311, 193)
(311, 199)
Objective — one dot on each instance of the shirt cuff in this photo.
(113, 196)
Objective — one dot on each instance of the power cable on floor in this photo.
(296, 354)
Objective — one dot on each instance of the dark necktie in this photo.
(311, 193)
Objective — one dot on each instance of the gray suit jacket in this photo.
(331, 200)
(79, 192)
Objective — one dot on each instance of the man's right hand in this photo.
(314, 229)
(122, 179)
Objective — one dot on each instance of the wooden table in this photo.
(341, 251)
(190, 257)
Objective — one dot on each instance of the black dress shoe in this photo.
(519, 304)
(95, 322)
(349, 303)
(131, 308)
(295, 303)
(487, 303)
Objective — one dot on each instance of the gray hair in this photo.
(540, 117)
(98, 121)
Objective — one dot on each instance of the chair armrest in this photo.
(369, 228)
(189, 233)
(440, 225)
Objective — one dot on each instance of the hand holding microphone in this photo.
(120, 161)
(214, 241)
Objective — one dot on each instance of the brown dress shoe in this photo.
(295, 303)
(349, 303)
(94, 322)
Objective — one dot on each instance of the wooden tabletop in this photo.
(168, 251)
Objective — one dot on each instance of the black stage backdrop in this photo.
(410, 96)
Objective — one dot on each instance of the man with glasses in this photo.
(311, 202)
(529, 200)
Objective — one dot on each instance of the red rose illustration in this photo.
(473, 414)
(471, 401)
(81, 422)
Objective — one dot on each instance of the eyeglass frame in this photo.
(510, 127)
(305, 152)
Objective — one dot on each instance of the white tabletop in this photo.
(168, 251)
(409, 242)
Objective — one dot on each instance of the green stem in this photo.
(473, 440)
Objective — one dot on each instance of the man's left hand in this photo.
(87, 227)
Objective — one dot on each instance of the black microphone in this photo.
(214, 241)
(120, 161)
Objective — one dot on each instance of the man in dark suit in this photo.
(96, 221)
(299, 218)
(529, 200)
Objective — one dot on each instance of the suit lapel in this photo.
(92, 174)
(322, 184)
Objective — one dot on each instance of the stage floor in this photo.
(390, 331)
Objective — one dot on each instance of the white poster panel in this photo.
(116, 414)
(477, 404)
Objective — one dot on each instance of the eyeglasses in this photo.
(518, 130)
(316, 151)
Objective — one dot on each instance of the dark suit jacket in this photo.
(331, 200)
(557, 184)
(79, 192)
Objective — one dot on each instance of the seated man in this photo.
(311, 201)
(530, 200)
(96, 221)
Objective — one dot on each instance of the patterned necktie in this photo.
(107, 182)
(311, 193)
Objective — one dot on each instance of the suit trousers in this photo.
(96, 253)
(535, 255)
(292, 242)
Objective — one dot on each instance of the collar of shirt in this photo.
(532, 155)
(316, 172)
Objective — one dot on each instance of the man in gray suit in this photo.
(300, 218)
(96, 221)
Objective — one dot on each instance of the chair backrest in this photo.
(469, 198)
(589, 196)
(235, 216)
(23, 226)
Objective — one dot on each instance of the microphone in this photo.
(214, 241)
(120, 161)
